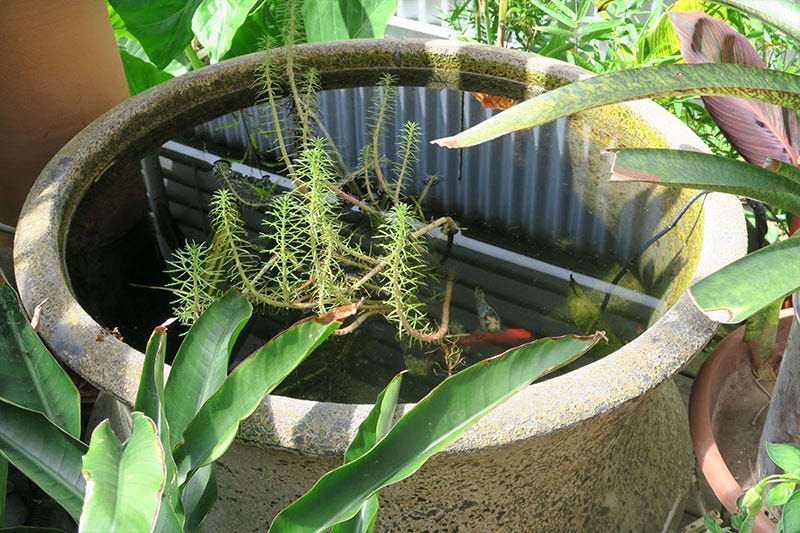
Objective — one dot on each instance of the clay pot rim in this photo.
(614, 381)
(729, 358)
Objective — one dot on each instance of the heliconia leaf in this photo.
(30, 376)
(201, 364)
(199, 495)
(781, 14)
(696, 170)
(740, 289)
(374, 427)
(757, 130)
(123, 480)
(150, 402)
(212, 430)
(45, 453)
(770, 86)
(428, 427)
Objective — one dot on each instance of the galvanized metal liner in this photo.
(522, 182)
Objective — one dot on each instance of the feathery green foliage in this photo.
(311, 254)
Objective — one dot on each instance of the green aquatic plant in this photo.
(337, 236)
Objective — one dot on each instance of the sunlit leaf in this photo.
(430, 426)
(163, 27)
(695, 170)
(346, 19)
(201, 364)
(757, 130)
(661, 80)
(123, 480)
(215, 23)
(740, 289)
(212, 430)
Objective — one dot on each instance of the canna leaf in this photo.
(781, 14)
(150, 402)
(771, 86)
(682, 168)
(430, 426)
(757, 130)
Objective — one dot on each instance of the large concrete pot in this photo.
(602, 448)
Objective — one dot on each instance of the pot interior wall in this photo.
(536, 203)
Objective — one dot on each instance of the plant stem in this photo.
(443, 327)
(191, 55)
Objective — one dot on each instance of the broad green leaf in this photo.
(199, 496)
(326, 20)
(150, 402)
(123, 480)
(377, 423)
(649, 82)
(3, 485)
(141, 74)
(790, 519)
(201, 364)
(780, 493)
(738, 290)
(374, 427)
(47, 455)
(757, 130)
(436, 421)
(212, 430)
(163, 27)
(786, 456)
(215, 23)
(29, 375)
(588, 318)
(696, 170)
(265, 24)
(781, 14)
(150, 395)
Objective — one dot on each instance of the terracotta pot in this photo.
(726, 375)
(61, 69)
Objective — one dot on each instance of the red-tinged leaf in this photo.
(757, 130)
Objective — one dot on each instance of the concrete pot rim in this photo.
(146, 120)
(729, 358)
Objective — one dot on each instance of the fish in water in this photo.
(488, 317)
(492, 331)
(505, 338)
